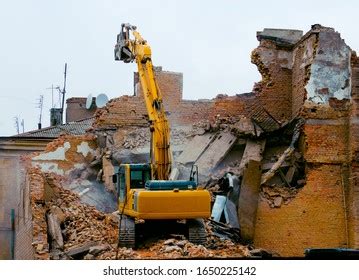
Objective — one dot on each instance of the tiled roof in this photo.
(72, 128)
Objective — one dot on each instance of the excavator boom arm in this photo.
(137, 49)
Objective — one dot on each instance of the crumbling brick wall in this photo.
(275, 65)
(317, 217)
(38, 214)
(303, 55)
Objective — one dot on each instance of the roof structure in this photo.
(72, 128)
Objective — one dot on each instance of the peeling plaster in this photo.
(85, 149)
(58, 154)
(330, 70)
(49, 167)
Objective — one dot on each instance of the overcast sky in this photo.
(209, 41)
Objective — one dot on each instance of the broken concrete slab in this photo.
(80, 250)
(248, 199)
(253, 151)
(215, 152)
(288, 36)
(95, 250)
(195, 148)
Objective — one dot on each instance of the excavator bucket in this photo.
(122, 51)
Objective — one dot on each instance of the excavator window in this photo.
(122, 187)
(139, 178)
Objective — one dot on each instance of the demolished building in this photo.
(294, 141)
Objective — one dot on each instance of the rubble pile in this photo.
(82, 223)
(178, 247)
(140, 137)
(137, 138)
(75, 228)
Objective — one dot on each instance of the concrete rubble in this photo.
(284, 142)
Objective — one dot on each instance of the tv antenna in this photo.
(23, 125)
(62, 92)
(16, 124)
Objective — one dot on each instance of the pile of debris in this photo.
(79, 231)
(74, 228)
(137, 138)
(178, 247)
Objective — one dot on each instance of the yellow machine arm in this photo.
(137, 49)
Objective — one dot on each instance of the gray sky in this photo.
(209, 41)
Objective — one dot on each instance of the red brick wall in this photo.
(170, 84)
(123, 111)
(326, 141)
(275, 88)
(353, 195)
(314, 219)
(76, 109)
(131, 110)
(228, 106)
(318, 216)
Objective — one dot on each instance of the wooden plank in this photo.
(290, 173)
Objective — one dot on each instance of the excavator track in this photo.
(127, 233)
(196, 231)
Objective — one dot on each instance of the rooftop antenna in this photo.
(63, 92)
(23, 125)
(16, 124)
(40, 105)
(52, 95)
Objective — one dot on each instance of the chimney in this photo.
(55, 116)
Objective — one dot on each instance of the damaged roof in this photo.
(72, 128)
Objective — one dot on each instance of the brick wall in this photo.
(122, 111)
(314, 219)
(131, 111)
(318, 216)
(326, 141)
(76, 109)
(228, 106)
(274, 91)
(353, 194)
(170, 84)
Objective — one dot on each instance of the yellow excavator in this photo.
(145, 191)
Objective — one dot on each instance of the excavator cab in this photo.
(131, 176)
